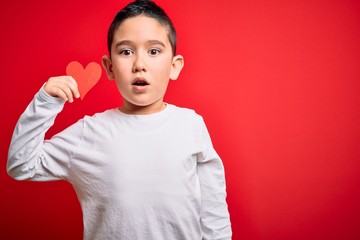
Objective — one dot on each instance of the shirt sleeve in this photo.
(31, 157)
(215, 219)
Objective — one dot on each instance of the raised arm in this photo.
(30, 157)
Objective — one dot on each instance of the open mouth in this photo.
(140, 82)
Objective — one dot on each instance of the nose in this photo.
(139, 65)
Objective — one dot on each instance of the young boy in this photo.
(146, 170)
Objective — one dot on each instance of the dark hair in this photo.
(147, 8)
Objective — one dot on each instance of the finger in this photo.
(65, 87)
(60, 93)
(73, 86)
(69, 86)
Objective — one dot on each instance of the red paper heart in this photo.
(85, 78)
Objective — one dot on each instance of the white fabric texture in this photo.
(137, 177)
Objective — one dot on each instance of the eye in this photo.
(126, 52)
(154, 51)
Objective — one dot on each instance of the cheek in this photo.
(122, 70)
(122, 67)
(162, 68)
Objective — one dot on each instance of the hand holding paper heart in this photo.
(85, 78)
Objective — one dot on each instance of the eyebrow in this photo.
(128, 42)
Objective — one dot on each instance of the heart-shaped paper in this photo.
(85, 78)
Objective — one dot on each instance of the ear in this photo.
(177, 65)
(106, 62)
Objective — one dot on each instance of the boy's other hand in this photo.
(64, 87)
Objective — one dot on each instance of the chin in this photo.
(145, 103)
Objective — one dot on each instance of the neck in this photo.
(132, 109)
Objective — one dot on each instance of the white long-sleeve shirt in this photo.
(137, 177)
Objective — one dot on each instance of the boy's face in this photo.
(142, 63)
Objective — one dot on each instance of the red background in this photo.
(276, 81)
